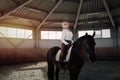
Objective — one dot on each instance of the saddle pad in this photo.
(67, 56)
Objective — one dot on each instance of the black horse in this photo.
(84, 44)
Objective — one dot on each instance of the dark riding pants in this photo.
(65, 50)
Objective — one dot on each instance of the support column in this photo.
(37, 38)
(113, 23)
(115, 37)
(77, 17)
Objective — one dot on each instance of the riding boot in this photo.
(63, 54)
(61, 61)
(63, 49)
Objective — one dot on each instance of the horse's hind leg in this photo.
(50, 68)
(57, 73)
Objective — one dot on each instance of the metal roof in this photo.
(33, 12)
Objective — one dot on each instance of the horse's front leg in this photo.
(74, 73)
(57, 73)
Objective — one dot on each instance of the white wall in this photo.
(99, 43)
(23, 44)
(104, 42)
(49, 43)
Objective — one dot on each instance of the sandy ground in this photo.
(101, 70)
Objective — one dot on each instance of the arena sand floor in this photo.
(100, 70)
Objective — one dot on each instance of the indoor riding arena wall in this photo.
(20, 55)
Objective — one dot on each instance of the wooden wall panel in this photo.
(108, 53)
(22, 55)
(10, 55)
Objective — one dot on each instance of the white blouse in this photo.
(66, 35)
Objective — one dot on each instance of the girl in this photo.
(66, 39)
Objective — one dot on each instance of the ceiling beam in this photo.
(108, 11)
(27, 2)
(74, 13)
(49, 14)
(78, 13)
(25, 17)
(58, 20)
(41, 10)
(93, 19)
(92, 14)
(77, 1)
(14, 2)
(35, 9)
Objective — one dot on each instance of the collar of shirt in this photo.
(66, 29)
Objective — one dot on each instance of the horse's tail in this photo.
(50, 66)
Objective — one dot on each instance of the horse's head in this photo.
(89, 46)
(86, 44)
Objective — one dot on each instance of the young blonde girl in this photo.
(66, 39)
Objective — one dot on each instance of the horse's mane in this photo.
(78, 43)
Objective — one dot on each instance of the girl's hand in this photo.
(69, 45)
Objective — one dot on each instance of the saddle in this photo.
(67, 56)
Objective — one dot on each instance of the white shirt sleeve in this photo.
(63, 37)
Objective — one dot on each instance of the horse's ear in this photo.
(86, 34)
(93, 34)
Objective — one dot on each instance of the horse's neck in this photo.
(78, 48)
(79, 51)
